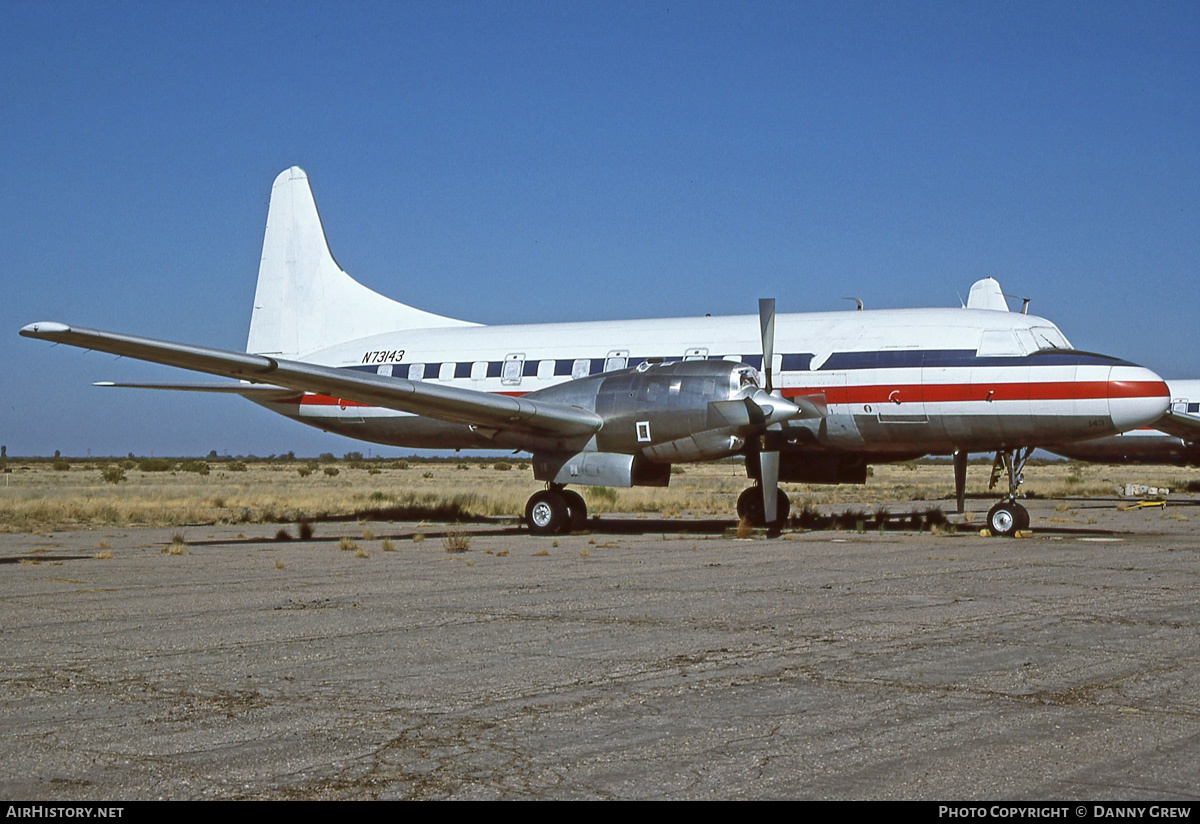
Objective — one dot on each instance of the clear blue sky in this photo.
(529, 161)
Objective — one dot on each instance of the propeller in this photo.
(769, 443)
(763, 412)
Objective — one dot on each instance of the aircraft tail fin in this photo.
(304, 301)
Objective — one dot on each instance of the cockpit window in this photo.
(1048, 337)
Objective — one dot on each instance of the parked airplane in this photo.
(1173, 439)
(617, 403)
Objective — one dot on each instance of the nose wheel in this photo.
(1007, 517)
(555, 511)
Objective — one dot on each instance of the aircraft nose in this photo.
(1136, 397)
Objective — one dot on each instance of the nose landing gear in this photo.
(1008, 517)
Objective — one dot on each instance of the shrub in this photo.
(155, 465)
(112, 474)
(61, 465)
(456, 541)
(199, 467)
(331, 471)
(236, 466)
(501, 466)
(601, 493)
(304, 471)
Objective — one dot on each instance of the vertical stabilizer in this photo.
(304, 301)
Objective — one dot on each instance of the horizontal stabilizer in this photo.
(447, 403)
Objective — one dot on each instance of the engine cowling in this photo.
(675, 412)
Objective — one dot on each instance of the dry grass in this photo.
(40, 499)
(456, 540)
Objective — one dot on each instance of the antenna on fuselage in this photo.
(857, 301)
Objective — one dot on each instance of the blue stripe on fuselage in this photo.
(802, 362)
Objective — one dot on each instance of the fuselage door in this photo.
(514, 365)
(616, 360)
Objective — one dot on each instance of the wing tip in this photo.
(44, 328)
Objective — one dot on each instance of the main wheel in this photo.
(547, 512)
(1022, 516)
(1006, 517)
(576, 511)
(750, 506)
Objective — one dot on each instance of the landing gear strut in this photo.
(555, 511)
(1008, 516)
(750, 506)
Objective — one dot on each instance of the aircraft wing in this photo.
(447, 403)
(256, 390)
(1180, 424)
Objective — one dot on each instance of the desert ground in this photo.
(184, 636)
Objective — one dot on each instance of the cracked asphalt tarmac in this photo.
(643, 661)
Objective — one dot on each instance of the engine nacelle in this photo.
(664, 412)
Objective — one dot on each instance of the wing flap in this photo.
(1180, 424)
(447, 403)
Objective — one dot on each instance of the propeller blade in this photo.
(768, 463)
(766, 323)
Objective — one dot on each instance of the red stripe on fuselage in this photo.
(966, 392)
(916, 393)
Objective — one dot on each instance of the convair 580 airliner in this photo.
(804, 397)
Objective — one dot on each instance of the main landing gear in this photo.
(555, 511)
(750, 506)
(1008, 516)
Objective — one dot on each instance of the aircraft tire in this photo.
(750, 507)
(576, 511)
(546, 512)
(1022, 517)
(1006, 517)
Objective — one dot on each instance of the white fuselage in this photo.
(895, 381)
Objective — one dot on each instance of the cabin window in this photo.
(545, 370)
(416, 371)
(446, 373)
(699, 353)
(385, 370)
(643, 431)
(479, 370)
(581, 368)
